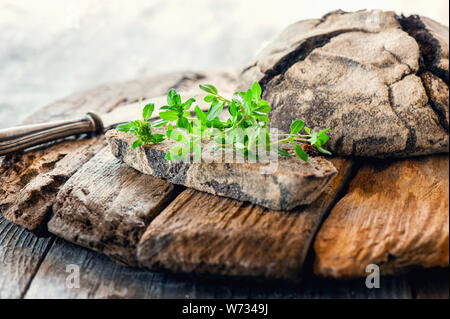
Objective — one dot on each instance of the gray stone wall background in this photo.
(49, 49)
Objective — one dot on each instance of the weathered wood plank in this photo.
(20, 256)
(99, 277)
(391, 287)
(207, 234)
(142, 284)
(430, 283)
(313, 287)
(24, 168)
(102, 278)
(32, 180)
(106, 206)
(395, 215)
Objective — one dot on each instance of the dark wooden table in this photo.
(32, 267)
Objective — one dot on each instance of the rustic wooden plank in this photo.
(32, 180)
(102, 278)
(20, 251)
(34, 164)
(391, 287)
(24, 183)
(106, 206)
(395, 215)
(20, 256)
(99, 277)
(207, 234)
(314, 287)
(430, 283)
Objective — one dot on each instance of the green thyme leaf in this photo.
(262, 117)
(171, 97)
(210, 98)
(168, 115)
(246, 130)
(187, 105)
(147, 111)
(263, 109)
(283, 152)
(208, 88)
(136, 143)
(159, 123)
(169, 130)
(297, 126)
(233, 109)
(322, 137)
(322, 150)
(124, 127)
(214, 111)
(157, 138)
(183, 122)
(301, 153)
(256, 91)
(200, 115)
(175, 135)
(313, 139)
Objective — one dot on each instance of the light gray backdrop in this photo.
(49, 49)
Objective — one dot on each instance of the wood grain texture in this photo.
(395, 215)
(430, 283)
(20, 256)
(30, 192)
(206, 234)
(30, 181)
(106, 206)
(99, 277)
(102, 278)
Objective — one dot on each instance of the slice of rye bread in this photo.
(276, 182)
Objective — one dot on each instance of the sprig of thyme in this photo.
(245, 130)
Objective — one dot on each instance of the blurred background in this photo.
(49, 49)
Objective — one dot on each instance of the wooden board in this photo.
(30, 182)
(99, 277)
(102, 278)
(207, 234)
(21, 254)
(430, 283)
(25, 254)
(106, 206)
(395, 215)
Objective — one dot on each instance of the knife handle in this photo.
(21, 137)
